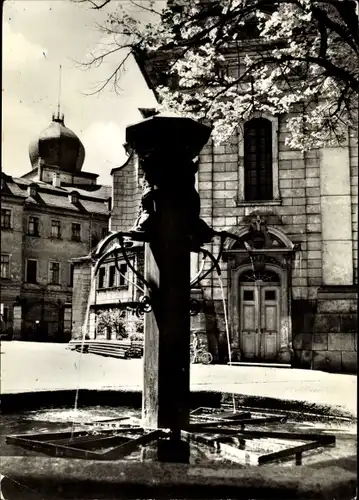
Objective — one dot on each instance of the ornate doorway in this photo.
(259, 312)
(259, 290)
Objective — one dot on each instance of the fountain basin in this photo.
(246, 422)
(210, 474)
(15, 406)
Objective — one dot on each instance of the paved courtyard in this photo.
(27, 367)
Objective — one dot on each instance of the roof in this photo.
(58, 145)
(90, 201)
(142, 63)
(128, 159)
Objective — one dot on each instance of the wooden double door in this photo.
(259, 321)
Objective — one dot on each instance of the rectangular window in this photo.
(5, 218)
(112, 277)
(270, 295)
(258, 160)
(76, 232)
(5, 314)
(55, 229)
(101, 277)
(31, 271)
(248, 295)
(123, 272)
(72, 275)
(33, 226)
(54, 273)
(104, 232)
(5, 266)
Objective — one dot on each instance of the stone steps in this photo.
(112, 348)
(266, 365)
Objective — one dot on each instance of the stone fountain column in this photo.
(169, 224)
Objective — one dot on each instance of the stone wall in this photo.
(47, 174)
(300, 211)
(81, 295)
(11, 244)
(30, 297)
(45, 248)
(329, 341)
(127, 192)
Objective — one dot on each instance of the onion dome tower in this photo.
(58, 146)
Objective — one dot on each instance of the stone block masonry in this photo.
(127, 196)
(300, 178)
(81, 292)
(330, 340)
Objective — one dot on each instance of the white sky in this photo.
(38, 36)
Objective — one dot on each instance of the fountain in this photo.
(170, 227)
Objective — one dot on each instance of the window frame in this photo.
(32, 190)
(51, 282)
(8, 276)
(73, 238)
(36, 226)
(100, 277)
(258, 161)
(27, 271)
(114, 277)
(122, 282)
(275, 162)
(58, 236)
(5, 209)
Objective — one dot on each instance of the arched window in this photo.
(258, 177)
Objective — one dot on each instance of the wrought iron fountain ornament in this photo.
(144, 229)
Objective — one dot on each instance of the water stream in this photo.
(85, 329)
(227, 333)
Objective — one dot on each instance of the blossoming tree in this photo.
(221, 60)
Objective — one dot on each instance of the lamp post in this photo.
(170, 226)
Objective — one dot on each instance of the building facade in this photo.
(115, 287)
(50, 215)
(293, 297)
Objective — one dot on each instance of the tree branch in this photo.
(324, 20)
(98, 7)
(347, 12)
(142, 7)
(112, 76)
